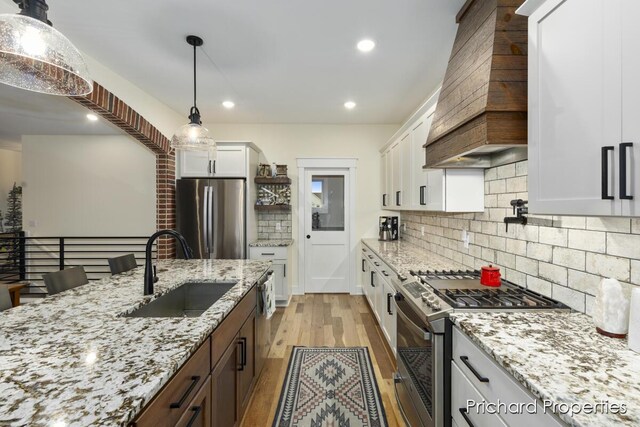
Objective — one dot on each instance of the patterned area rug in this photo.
(330, 387)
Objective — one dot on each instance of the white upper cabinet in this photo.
(230, 161)
(410, 187)
(583, 92)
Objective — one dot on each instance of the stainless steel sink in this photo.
(188, 300)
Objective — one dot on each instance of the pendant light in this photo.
(37, 57)
(193, 136)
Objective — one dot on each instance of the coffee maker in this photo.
(388, 228)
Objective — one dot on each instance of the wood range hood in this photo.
(481, 113)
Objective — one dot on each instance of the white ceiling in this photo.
(30, 113)
(280, 61)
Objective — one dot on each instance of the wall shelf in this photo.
(279, 180)
(273, 208)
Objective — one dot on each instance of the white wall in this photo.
(10, 172)
(284, 143)
(88, 186)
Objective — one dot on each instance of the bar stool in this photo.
(5, 299)
(63, 280)
(122, 263)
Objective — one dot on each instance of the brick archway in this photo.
(116, 111)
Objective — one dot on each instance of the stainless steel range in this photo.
(424, 303)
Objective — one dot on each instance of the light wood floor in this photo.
(321, 321)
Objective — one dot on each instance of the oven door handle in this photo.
(426, 335)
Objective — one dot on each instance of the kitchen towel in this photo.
(611, 313)
(270, 297)
(634, 321)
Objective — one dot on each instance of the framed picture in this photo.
(264, 170)
(281, 170)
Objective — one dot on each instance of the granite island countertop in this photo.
(266, 243)
(73, 359)
(403, 256)
(560, 358)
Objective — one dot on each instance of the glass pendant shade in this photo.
(37, 57)
(193, 136)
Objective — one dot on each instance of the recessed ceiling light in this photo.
(349, 105)
(92, 117)
(228, 104)
(366, 45)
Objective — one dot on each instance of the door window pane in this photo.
(327, 203)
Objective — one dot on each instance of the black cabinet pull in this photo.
(372, 284)
(623, 171)
(422, 197)
(244, 351)
(209, 169)
(194, 380)
(480, 378)
(384, 200)
(242, 342)
(268, 253)
(284, 270)
(464, 412)
(363, 261)
(605, 172)
(214, 166)
(398, 198)
(389, 296)
(196, 411)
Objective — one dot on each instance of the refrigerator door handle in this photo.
(205, 228)
(211, 241)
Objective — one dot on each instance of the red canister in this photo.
(490, 276)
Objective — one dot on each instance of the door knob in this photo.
(308, 236)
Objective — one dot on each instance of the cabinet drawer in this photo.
(462, 391)
(500, 385)
(268, 253)
(172, 402)
(198, 412)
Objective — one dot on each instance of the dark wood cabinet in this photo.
(213, 388)
(224, 388)
(198, 412)
(171, 403)
(247, 370)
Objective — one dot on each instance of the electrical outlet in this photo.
(278, 226)
(465, 238)
(422, 230)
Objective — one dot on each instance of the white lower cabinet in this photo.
(379, 291)
(476, 377)
(278, 256)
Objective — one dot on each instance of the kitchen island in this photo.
(73, 359)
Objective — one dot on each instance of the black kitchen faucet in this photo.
(150, 272)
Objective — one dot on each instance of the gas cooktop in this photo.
(462, 290)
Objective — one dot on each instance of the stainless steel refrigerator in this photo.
(211, 213)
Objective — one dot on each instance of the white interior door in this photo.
(326, 225)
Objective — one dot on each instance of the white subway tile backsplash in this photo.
(625, 245)
(527, 265)
(553, 273)
(562, 257)
(571, 297)
(539, 285)
(609, 266)
(554, 236)
(594, 241)
(571, 258)
(614, 225)
(584, 282)
(539, 251)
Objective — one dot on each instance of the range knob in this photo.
(431, 300)
(402, 278)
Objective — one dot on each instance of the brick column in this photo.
(166, 202)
